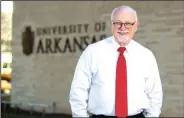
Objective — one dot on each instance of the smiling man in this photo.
(117, 76)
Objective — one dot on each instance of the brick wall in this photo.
(46, 78)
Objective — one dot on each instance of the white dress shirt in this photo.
(93, 85)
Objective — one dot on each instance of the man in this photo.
(117, 61)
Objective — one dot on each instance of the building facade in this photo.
(49, 37)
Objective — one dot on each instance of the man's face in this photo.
(126, 30)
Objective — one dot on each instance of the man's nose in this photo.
(122, 27)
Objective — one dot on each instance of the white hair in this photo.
(122, 7)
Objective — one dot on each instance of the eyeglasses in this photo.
(120, 24)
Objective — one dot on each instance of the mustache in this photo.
(123, 31)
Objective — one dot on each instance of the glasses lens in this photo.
(117, 24)
(128, 25)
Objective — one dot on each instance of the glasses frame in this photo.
(121, 24)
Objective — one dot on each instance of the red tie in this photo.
(121, 108)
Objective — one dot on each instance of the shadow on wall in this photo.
(9, 112)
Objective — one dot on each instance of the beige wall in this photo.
(46, 77)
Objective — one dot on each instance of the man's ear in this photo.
(136, 29)
(137, 25)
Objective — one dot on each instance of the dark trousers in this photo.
(134, 116)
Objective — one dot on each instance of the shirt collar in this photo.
(129, 47)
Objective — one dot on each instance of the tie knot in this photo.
(121, 50)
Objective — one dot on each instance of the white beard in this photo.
(123, 39)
